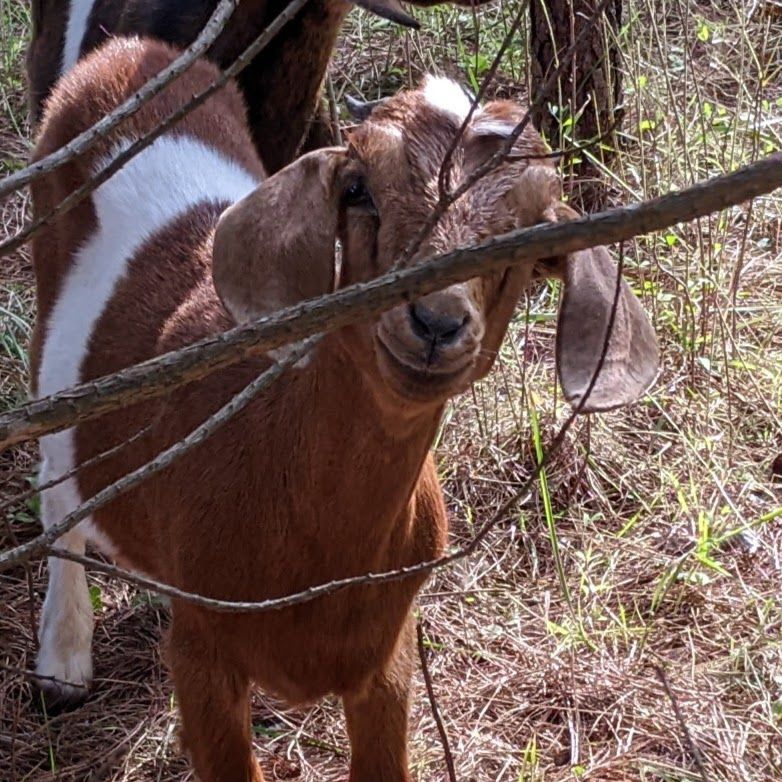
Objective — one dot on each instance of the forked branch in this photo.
(161, 461)
(84, 141)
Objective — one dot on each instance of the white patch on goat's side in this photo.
(164, 181)
(78, 18)
(446, 95)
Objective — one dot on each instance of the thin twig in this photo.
(333, 110)
(91, 462)
(449, 764)
(37, 546)
(84, 141)
(697, 756)
(162, 460)
(158, 376)
(33, 676)
(442, 177)
(78, 195)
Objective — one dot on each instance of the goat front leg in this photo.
(377, 719)
(214, 702)
(66, 625)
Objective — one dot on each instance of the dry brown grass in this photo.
(665, 515)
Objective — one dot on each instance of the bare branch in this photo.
(161, 461)
(35, 677)
(442, 177)
(274, 604)
(91, 462)
(157, 376)
(78, 195)
(695, 751)
(84, 141)
(438, 720)
(543, 93)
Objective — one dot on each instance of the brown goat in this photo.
(280, 86)
(328, 473)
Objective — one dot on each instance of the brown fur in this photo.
(327, 474)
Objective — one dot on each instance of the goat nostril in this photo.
(419, 321)
(432, 326)
(452, 333)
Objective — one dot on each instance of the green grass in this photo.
(14, 24)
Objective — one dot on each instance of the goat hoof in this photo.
(56, 697)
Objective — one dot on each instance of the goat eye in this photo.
(357, 195)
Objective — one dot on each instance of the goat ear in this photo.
(632, 359)
(275, 247)
(360, 110)
(389, 9)
(489, 129)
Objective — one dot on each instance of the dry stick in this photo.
(163, 459)
(333, 109)
(543, 93)
(333, 586)
(157, 376)
(33, 676)
(306, 595)
(507, 147)
(697, 756)
(91, 462)
(449, 764)
(84, 141)
(78, 195)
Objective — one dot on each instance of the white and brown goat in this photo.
(328, 473)
(280, 85)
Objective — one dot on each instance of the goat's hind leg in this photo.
(66, 625)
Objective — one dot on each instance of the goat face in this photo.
(373, 198)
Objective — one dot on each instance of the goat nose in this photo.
(434, 326)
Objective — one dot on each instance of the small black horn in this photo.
(359, 110)
(389, 9)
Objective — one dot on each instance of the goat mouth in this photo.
(419, 382)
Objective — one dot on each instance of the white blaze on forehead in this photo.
(78, 17)
(447, 96)
(164, 181)
(392, 131)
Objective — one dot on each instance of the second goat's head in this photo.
(277, 247)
